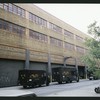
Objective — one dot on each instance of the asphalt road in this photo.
(83, 88)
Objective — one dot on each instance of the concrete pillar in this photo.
(86, 71)
(49, 69)
(76, 64)
(27, 59)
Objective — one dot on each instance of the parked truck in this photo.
(65, 74)
(31, 78)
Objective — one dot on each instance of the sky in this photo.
(79, 16)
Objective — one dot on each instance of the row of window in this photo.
(12, 27)
(37, 20)
(12, 8)
(38, 36)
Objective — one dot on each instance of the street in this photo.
(83, 88)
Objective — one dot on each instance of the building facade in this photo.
(31, 38)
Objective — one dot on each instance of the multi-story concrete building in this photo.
(29, 33)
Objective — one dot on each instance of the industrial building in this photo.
(31, 38)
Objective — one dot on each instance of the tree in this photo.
(92, 57)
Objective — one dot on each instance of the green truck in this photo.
(65, 74)
(32, 78)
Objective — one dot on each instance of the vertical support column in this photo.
(49, 69)
(86, 71)
(27, 59)
(76, 64)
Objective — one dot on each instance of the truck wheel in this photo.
(77, 80)
(24, 86)
(47, 84)
(70, 81)
(97, 90)
(60, 82)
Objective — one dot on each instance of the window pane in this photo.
(1, 24)
(1, 5)
(5, 25)
(5, 6)
(10, 27)
(23, 13)
(15, 9)
(19, 11)
(15, 28)
(30, 16)
(10, 7)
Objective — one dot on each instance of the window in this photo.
(40, 21)
(19, 12)
(1, 24)
(15, 9)
(1, 5)
(55, 28)
(80, 49)
(5, 25)
(10, 7)
(30, 16)
(5, 6)
(37, 20)
(56, 42)
(79, 38)
(34, 18)
(10, 27)
(23, 13)
(38, 36)
(69, 46)
(15, 28)
(69, 34)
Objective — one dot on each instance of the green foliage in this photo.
(92, 57)
(97, 73)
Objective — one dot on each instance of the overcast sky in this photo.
(77, 15)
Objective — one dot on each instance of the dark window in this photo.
(1, 24)
(15, 28)
(10, 27)
(5, 25)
